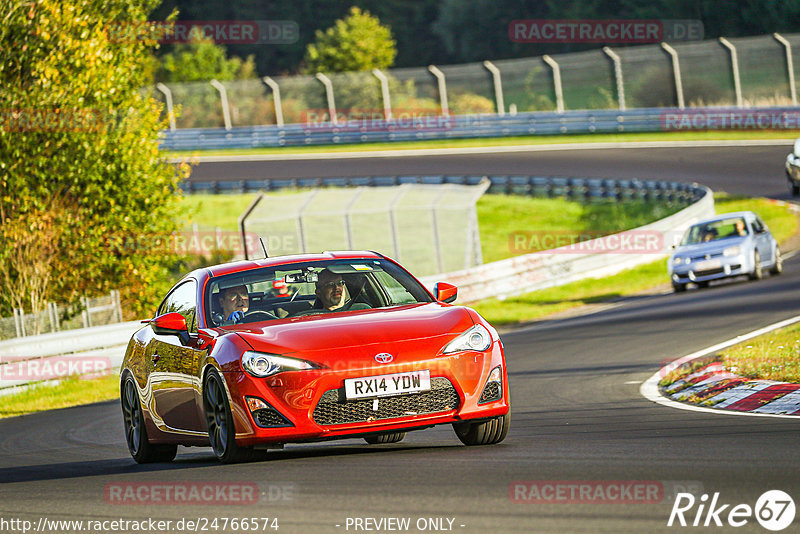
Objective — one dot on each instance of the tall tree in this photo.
(80, 171)
(355, 43)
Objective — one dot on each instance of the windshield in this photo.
(309, 288)
(715, 230)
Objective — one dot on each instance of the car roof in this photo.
(246, 265)
(723, 216)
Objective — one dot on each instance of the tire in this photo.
(485, 433)
(794, 189)
(142, 451)
(758, 272)
(702, 285)
(778, 267)
(221, 427)
(678, 287)
(392, 437)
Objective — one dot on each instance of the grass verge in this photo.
(773, 356)
(713, 135)
(69, 392)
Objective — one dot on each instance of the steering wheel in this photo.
(355, 295)
(259, 315)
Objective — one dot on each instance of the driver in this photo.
(330, 290)
(234, 301)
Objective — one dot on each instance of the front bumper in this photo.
(714, 269)
(310, 405)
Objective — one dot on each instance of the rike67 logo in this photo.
(774, 510)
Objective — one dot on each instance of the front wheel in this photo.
(485, 433)
(778, 267)
(221, 428)
(758, 272)
(794, 189)
(678, 287)
(141, 449)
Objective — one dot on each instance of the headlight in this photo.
(260, 364)
(476, 338)
(732, 251)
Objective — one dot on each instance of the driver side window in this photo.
(182, 300)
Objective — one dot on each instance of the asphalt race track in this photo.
(578, 417)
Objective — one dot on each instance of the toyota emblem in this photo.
(384, 357)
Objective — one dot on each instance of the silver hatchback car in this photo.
(732, 244)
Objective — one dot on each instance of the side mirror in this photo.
(171, 324)
(445, 292)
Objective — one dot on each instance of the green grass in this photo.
(69, 392)
(712, 135)
(773, 356)
(538, 304)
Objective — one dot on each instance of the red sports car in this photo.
(250, 355)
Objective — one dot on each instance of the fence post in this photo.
(223, 95)
(618, 75)
(556, 82)
(117, 304)
(737, 86)
(170, 109)
(87, 320)
(442, 88)
(276, 99)
(676, 72)
(329, 94)
(301, 234)
(19, 321)
(248, 210)
(348, 224)
(385, 96)
(498, 87)
(393, 222)
(789, 65)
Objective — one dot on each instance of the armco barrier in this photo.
(540, 270)
(488, 125)
(100, 343)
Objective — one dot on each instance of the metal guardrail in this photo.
(52, 356)
(486, 125)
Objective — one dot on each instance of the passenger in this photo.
(330, 290)
(234, 301)
(740, 228)
(710, 235)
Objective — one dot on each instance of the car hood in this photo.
(714, 247)
(384, 327)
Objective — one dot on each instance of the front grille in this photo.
(333, 409)
(490, 393)
(709, 272)
(269, 417)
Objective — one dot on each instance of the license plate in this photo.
(707, 265)
(382, 385)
